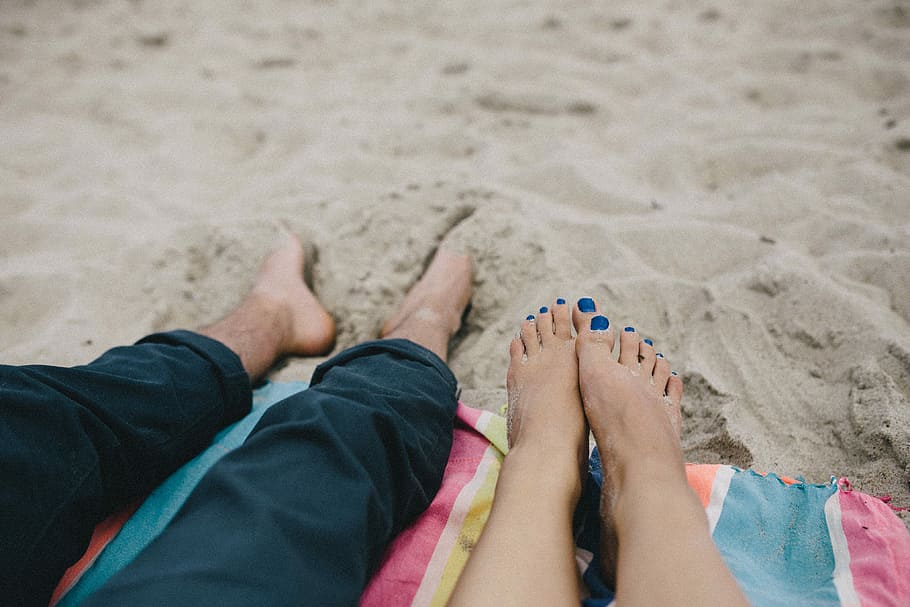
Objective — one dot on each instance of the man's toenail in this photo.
(659, 355)
(530, 317)
(629, 329)
(560, 301)
(649, 342)
(544, 310)
(586, 304)
(599, 323)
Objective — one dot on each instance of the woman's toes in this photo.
(545, 326)
(594, 344)
(661, 372)
(529, 337)
(516, 350)
(647, 356)
(582, 312)
(628, 347)
(562, 320)
(674, 395)
(595, 333)
(675, 388)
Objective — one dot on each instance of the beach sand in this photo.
(732, 179)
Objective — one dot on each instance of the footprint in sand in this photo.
(705, 438)
(535, 104)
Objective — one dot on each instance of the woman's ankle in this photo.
(554, 474)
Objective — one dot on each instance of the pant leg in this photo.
(302, 513)
(77, 444)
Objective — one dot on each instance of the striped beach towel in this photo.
(787, 542)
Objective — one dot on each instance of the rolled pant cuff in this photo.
(235, 383)
(402, 347)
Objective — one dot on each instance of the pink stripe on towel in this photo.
(879, 546)
(398, 578)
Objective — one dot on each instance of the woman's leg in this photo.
(655, 536)
(78, 444)
(526, 554)
(303, 511)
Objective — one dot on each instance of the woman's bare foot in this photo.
(633, 407)
(431, 312)
(526, 554)
(279, 316)
(310, 328)
(656, 548)
(545, 412)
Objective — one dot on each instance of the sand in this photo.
(731, 179)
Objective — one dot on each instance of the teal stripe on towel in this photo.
(774, 538)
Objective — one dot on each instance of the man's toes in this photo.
(284, 264)
(562, 321)
(545, 325)
(661, 372)
(647, 356)
(628, 347)
(529, 337)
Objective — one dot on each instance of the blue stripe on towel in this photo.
(775, 540)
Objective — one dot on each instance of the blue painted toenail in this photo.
(659, 355)
(560, 301)
(674, 373)
(544, 310)
(586, 304)
(599, 323)
(530, 317)
(629, 329)
(649, 342)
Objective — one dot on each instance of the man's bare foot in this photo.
(279, 316)
(431, 312)
(545, 410)
(633, 407)
(310, 328)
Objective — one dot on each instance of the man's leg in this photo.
(302, 513)
(78, 444)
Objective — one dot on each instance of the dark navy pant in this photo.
(299, 515)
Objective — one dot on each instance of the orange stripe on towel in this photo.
(701, 479)
(104, 533)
